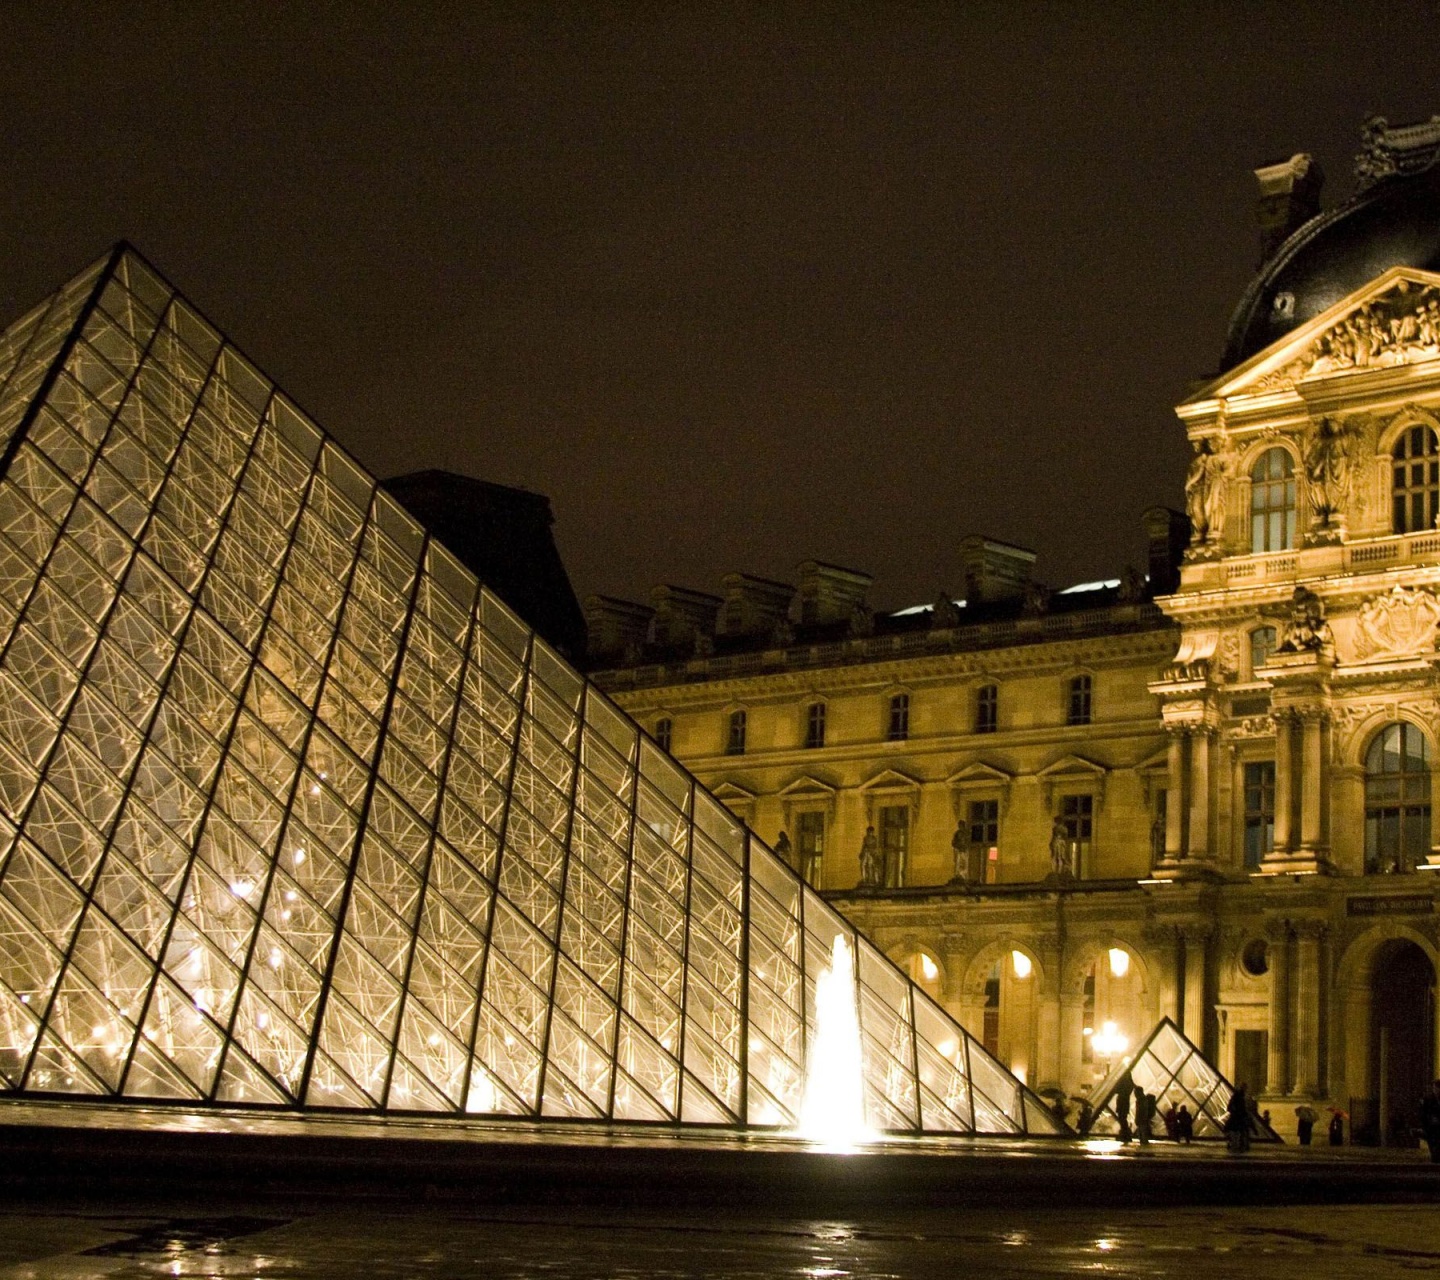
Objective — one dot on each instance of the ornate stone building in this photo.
(1205, 792)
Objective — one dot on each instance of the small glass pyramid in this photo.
(1170, 1067)
(293, 814)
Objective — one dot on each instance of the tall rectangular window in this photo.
(735, 742)
(815, 725)
(899, 728)
(1077, 710)
(1259, 811)
(895, 843)
(662, 734)
(810, 839)
(984, 840)
(1078, 815)
(987, 708)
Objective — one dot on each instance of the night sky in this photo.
(735, 286)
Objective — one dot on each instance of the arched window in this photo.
(1417, 480)
(1397, 799)
(1272, 501)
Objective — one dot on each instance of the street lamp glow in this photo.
(1021, 963)
(1119, 962)
(1108, 1042)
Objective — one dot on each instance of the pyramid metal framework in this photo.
(294, 814)
(1168, 1065)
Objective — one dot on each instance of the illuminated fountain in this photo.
(833, 1111)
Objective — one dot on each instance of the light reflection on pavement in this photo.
(273, 1241)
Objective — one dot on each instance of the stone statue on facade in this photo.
(1036, 599)
(1157, 839)
(1132, 585)
(1205, 495)
(960, 856)
(1062, 851)
(1327, 468)
(871, 863)
(945, 613)
(1306, 631)
(783, 849)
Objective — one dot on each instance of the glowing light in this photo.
(929, 970)
(299, 856)
(1108, 1042)
(276, 956)
(833, 1112)
(242, 888)
(1119, 962)
(946, 1048)
(290, 895)
(433, 1040)
(24, 999)
(1021, 962)
(483, 1096)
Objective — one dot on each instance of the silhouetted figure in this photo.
(1184, 1124)
(1304, 1123)
(1430, 1120)
(1144, 1113)
(1123, 1092)
(782, 849)
(1237, 1120)
(1337, 1128)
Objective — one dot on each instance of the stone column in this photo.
(1195, 999)
(1073, 1072)
(1284, 781)
(1312, 788)
(1305, 1022)
(1279, 1065)
(1199, 793)
(1175, 797)
(1048, 1066)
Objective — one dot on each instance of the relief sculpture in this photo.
(1399, 624)
(1401, 327)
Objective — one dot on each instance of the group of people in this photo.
(1136, 1109)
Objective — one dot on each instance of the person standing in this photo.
(1430, 1120)
(1337, 1127)
(1123, 1092)
(1237, 1119)
(1304, 1123)
(1144, 1109)
(1184, 1124)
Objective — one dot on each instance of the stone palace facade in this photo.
(1204, 792)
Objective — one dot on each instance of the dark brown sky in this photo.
(736, 286)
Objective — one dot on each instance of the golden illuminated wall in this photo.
(293, 813)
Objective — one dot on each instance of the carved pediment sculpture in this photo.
(1399, 327)
(1401, 623)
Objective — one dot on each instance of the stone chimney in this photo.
(829, 593)
(753, 606)
(994, 571)
(682, 616)
(1289, 197)
(1168, 533)
(615, 630)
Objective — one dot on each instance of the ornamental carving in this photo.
(1400, 327)
(1399, 624)
(1253, 727)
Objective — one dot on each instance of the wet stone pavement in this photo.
(377, 1242)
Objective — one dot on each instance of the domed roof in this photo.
(1392, 221)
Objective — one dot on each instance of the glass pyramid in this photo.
(1169, 1066)
(293, 814)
